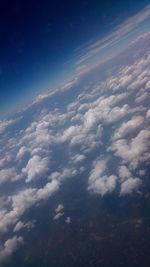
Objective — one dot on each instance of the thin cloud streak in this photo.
(119, 32)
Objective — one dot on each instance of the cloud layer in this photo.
(100, 128)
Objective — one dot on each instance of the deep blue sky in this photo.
(38, 37)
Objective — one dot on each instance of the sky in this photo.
(43, 43)
(93, 128)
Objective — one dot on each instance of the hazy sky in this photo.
(45, 42)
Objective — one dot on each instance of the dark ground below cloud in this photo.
(108, 231)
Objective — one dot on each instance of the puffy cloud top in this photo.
(102, 132)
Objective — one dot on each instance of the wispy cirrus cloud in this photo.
(118, 33)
